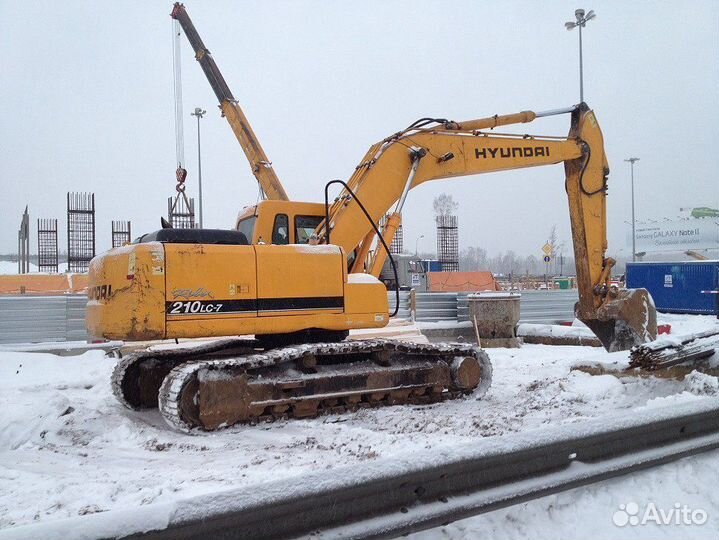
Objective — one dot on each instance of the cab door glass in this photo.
(247, 227)
(281, 230)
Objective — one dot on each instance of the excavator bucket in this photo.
(628, 318)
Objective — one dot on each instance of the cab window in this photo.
(281, 230)
(247, 227)
(304, 227)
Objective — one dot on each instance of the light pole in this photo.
(199, 113)
(416, 245)
(581, 21)
(632, 161)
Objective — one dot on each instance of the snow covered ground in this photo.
(10, 267)
(590, 512)
(67, 448)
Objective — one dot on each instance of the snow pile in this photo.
(554, 330)
(701, 384)
(688, 324)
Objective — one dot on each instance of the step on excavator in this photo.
(297, 276)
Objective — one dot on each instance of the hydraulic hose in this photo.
(376, 230)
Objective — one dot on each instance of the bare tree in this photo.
(552, 241)
(473, 259)
(444, 205)
(531, 264)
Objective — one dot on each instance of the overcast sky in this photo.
(86, 102)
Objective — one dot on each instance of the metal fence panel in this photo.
(436, 306)
(32, 319)
(75, 329)
(535, 306)
(547, 307)
(404, 303)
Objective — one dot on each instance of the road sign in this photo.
(415, 280)
(547, 248)
(547, 258)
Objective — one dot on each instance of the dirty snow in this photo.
(68, 449)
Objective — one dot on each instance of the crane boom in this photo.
(259, 162)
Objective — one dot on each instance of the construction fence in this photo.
(35, 318)
(32, 319)
(545, 307)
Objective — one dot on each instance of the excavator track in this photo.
(310, 379)
(137, 377)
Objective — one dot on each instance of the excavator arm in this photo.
(405, 160)
(259, 162)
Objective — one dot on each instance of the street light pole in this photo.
(632, 161)
(581, 68)
(416, 245)
(581, 21)
(199, 113)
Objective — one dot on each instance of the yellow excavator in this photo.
(297, 276)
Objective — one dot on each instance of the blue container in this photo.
(678, 287)
(430, 265)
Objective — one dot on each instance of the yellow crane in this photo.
(259, 162)
(299, 300)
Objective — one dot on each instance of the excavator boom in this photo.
(259, 162)
(434, 149)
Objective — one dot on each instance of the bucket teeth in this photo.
(626, 320)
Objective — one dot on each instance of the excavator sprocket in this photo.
(210, 387)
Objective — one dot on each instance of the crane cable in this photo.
(177, 79)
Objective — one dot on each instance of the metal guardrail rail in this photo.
(395, 496)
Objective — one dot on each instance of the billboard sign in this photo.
(676, 235)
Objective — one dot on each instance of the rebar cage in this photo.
(80, 231)
(47, 254)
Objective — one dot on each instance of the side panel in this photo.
(366, 303)
(680, 287)
(159, 291)
(296, 280)
(126, 293)
(211, 290)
